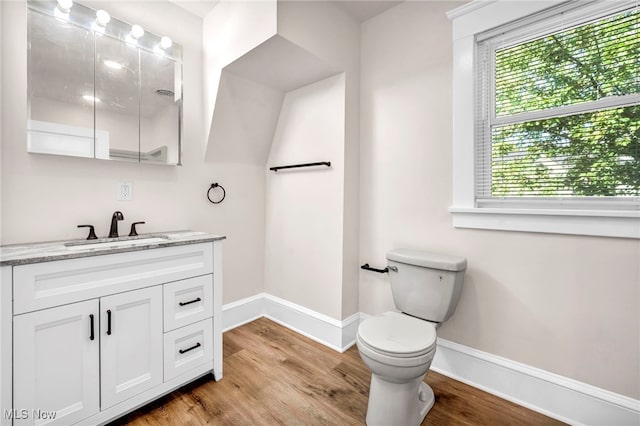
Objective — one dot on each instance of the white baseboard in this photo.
(556, 396)
(336, 334)
(242, 311)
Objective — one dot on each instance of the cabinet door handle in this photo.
(197, 345)
(91, 337)
(189, 302)
(109, 322)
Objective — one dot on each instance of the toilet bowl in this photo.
(398, 349)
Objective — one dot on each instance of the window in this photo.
(558, 114)
(556, 117)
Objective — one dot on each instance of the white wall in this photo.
(2, 37)
(45, 197)
(231, 29)
(244, 121)
(304, 207)
(565, 304)
(249, 62)
(332, 35)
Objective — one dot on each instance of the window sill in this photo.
(602, 223)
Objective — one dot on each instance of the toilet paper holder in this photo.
(380, 271)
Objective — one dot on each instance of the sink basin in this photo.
(107, 243)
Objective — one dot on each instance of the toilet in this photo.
(398, 347)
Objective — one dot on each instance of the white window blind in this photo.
(557, 109)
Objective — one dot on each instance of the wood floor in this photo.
(275, 376)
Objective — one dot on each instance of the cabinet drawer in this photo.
(187, 301)
(188, 347)
(48, 284)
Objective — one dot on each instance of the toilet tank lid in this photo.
(428, 260)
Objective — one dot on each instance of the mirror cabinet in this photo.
(101, 88)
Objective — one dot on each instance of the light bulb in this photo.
(165, 42)
(65, 5)
(137, 31)
(102, 17)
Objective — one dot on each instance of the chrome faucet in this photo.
(113, 231)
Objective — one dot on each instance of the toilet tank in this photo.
(424, 284)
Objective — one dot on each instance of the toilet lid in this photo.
(398, 334)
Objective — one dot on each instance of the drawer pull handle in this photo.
(91, 337)
(189, 302)
(197, 345)
(109, 322)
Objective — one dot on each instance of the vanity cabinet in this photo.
(96, 337)
(80, 358)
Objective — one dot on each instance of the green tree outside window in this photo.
(595, 153)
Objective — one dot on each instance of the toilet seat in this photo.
(397, 335)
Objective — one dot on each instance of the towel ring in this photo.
(213, 186)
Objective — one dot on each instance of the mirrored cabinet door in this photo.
(160, 104)
(60, 85)
(117, 99)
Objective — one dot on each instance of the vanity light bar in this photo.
(100, 22)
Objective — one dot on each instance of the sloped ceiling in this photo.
(245, 119)
(250, 88)
(250, 95)
(282, 65)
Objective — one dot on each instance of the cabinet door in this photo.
(56, 364)
(131, 346)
